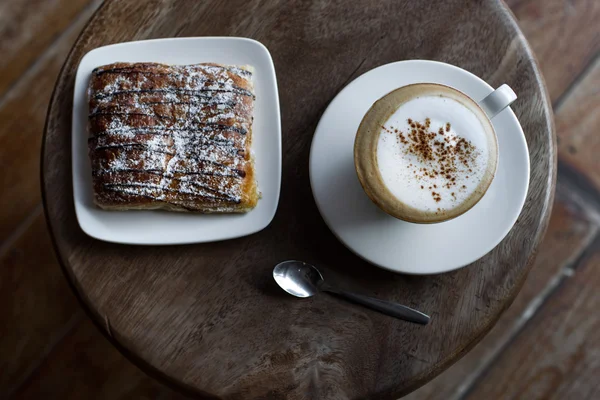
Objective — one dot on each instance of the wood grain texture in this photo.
(558, 355)
(27, 28)
(37, 305)
(578, 127)
(564, 36)
(209, 317)
(570, 231)
(22, 113)
(84, 365)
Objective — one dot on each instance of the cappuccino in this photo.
(425, 153)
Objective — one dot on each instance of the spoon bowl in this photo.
(298, 278)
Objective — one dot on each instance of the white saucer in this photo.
(388, 242)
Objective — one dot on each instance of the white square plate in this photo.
(162, 227)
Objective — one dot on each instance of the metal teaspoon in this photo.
(304, 280)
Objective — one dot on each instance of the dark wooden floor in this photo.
(546, 346)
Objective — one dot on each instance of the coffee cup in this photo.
(427, 153)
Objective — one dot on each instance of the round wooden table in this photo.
(208, 317)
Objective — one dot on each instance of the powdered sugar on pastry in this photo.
(177, 136)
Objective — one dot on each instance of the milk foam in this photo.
(403, 172)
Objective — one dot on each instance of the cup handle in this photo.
(498, 100)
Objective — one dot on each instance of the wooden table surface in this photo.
(208, 317)
(542, 347)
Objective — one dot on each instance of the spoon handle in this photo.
(386, 307)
